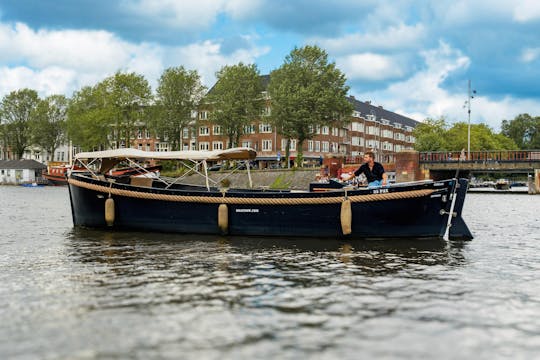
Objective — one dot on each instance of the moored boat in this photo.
(56, 173)
(418, 209)
(502, 184)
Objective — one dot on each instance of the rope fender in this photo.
(252, 201)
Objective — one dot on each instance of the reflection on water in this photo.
(88, 294)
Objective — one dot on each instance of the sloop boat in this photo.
(421, 209)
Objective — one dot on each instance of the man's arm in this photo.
(384, 178)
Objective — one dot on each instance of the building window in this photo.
(217, 145)
(388, 133)
(217, 130)
(317, 146)
(246, 143)
(266, 145)
(147, 147)
(249, 129)
(185, 133)
(147, 133)
(139, 134)
(356, 126)
(139, 146)
(310, 145)
(203, 115)
(204, 131)
(161, 146)
(325, 146)
(335, 131)
(265, 128)
(204, 145)
(325, 130)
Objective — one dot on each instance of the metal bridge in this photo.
(506, 161)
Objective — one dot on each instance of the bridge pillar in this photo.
(534, 183)
(408, 167)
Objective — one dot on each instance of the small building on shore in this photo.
(16, 172)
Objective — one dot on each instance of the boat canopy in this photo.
(238, 153)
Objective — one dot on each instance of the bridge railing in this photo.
(481, 156)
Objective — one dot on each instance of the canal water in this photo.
(70, 293)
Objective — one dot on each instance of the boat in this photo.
(56, 174)
(502, 184)
(421, 209)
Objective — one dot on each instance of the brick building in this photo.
(372, 128)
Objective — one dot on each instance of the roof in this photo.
(365, 108)
(21, 164)
(239, 153)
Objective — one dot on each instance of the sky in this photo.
(412, 57)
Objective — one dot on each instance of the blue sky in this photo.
(411, 57)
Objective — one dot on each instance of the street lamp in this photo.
(470, 96)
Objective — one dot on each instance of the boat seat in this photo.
(141, 181)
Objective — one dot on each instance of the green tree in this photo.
(307, 91)
(16, 111)
(127, 95)
(89, 120)
(524, 130)
(430, 135)
(109, 113)
(49, 124)
(482, 138)
(236, 99)
(436, 135)
(178, 94)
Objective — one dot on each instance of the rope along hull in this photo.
(415, 211)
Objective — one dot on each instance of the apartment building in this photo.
(372, 128)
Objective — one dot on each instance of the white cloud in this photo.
(206, 57)
(186, 14)
(63, 61)
(192, 15)
(87, 50)
(369, 66)
(530, 54)
(527, 10)
(422, 94)
(392, 38)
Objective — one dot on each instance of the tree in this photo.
(435, 135)
(236, 99)
(127, 97)
(482, 138)
(16, 112)
(49, 124)
(430, 135)
(307, 92)
(524, 130)
(109, 113)
(88, 121)
(178, 94)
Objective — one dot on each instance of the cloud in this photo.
(530, 54)
(54, 61)
(207, 58)
(186, 14)
(394, 38)
(369, 66)
(526, 10)
(422, 94)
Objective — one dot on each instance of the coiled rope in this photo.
(252, 201)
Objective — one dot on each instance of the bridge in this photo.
(482, 161)
(413, 165)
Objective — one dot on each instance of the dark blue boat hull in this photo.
(389, 218)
